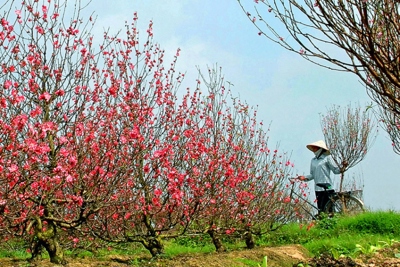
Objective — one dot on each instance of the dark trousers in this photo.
(322, 198)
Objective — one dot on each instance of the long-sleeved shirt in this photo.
(320, 171)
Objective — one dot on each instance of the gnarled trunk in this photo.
(48, 239)
(219, 247)
(152, 242)
(154, 245)
(249, 239)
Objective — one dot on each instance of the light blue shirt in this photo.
(320, 171)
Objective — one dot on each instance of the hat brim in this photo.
(318, 144)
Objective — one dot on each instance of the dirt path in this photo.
(284, 256)
(279, 256)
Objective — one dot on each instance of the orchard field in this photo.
(100, 145)
(106, 160)
(369, 239)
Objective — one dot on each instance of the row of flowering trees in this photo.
(96, 143)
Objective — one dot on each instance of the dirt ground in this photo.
(285, 256)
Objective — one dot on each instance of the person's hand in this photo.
(301, 178)
(298, 178)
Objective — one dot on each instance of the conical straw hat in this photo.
(319, 144)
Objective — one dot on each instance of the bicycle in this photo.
(339, 202)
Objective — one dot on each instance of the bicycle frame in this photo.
(307, 201)
(347, 197)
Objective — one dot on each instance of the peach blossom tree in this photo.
(96, 143)
(68, 112)
(356, 36)
(349, 133)
(245, 181)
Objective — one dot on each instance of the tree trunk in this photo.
(152, 242)
(47, 239)
(154, 246)
(219, 247)
(249, 239)
(341, 181)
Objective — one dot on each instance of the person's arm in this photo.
(332, 165)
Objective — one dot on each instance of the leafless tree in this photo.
(367, 34)
(349, 133)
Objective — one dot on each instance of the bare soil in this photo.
(284, 256)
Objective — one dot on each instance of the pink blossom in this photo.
(19, 98)
(45, 96)
(31, 144)
(44, 9)
(37, 111)
(135, 132)
(20, 121)
(69, 179)
(160, 153)
(13, 168)
(60, 92)
(146, 169)
(3, 102)
(48, 126)
(7, 84)
(73, 161)
(123, 139)
(40, 30)
(157, 192)
(188, 133)
(63, 140)
(113, 91)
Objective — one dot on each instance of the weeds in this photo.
(343, 236)
(337, 237)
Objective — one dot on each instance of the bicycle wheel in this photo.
(344, 204)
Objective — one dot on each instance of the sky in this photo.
(289, 92)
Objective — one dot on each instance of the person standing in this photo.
(320, 171)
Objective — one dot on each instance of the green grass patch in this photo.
(342, 235)
(174, 248)
(384, 223)
(249, 262)
(350, 236)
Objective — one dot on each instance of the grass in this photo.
(249, 262)
(174, 248)
(349, 236)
